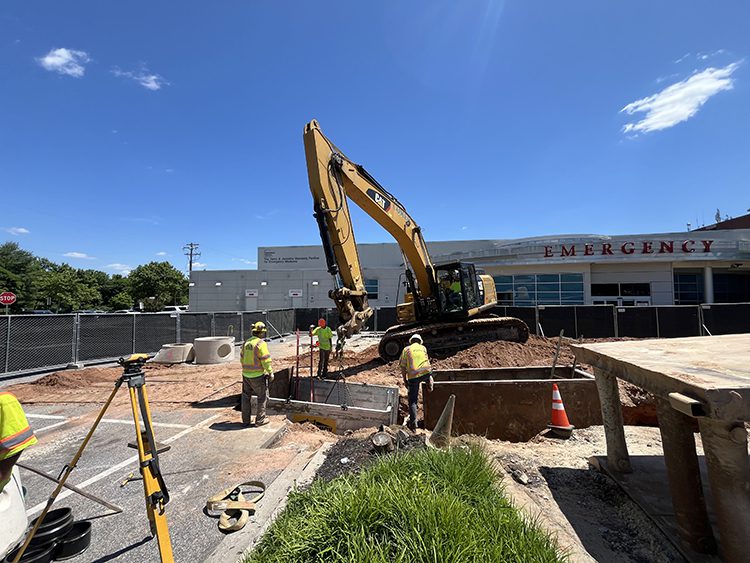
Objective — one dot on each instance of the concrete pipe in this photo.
(174, 354)
(214, 349)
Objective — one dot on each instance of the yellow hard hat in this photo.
(259, 327)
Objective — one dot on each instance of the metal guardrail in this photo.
(30, 343)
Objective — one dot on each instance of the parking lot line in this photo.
(47, 416)
(50, 426)
(156, 424)
(107, 472)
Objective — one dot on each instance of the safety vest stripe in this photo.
(256, 365)
(17, 439)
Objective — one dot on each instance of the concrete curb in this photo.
(301, 470)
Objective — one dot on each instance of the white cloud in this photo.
(680, 101)
(169, 170)
(65, 61)
(123, 269)
(79, 255)
(199, 265)
(682, 58)
(144, 77)
(162, 253)
(246, 261)
(15, 231)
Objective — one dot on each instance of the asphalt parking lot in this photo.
(209, 452)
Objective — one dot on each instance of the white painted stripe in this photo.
(557, 407)
(50, 426)
(556, 395)
(156, 424)
(49, 416)
(106, 473)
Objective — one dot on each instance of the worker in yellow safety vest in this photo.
(325, 340)
(256, 374)
(15, 435)
(415, 369)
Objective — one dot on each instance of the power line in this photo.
(191, 251)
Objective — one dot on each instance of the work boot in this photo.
(261, 421)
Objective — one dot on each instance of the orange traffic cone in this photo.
(560, 424)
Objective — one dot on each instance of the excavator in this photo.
(448, 304)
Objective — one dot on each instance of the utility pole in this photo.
(191, 251)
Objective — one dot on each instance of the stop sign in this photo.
(7, 298)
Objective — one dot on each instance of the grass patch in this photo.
(422, 506)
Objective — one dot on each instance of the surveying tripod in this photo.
(155, 491)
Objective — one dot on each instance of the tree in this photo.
(157, 284)
(122, 300)
(67, 292)
(116, 293)
(18, 272)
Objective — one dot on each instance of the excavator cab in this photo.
(458, 288)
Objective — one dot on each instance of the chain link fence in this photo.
(31, 343)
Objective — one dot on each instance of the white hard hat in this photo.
(415, 338)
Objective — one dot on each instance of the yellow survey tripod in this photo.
(154, 488)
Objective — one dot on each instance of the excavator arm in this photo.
(334, 178)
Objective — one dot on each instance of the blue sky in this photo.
(130, 129)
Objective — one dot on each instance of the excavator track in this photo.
(445, 338)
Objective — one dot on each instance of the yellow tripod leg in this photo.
(155, 509)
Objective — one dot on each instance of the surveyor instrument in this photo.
(155, 491)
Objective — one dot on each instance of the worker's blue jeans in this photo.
(413, 386)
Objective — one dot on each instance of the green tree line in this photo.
(40, 284)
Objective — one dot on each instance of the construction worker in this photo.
(257, 374)
(415, 369)
(15, 435)
(325, 339)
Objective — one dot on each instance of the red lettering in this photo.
(629, 250)
(647, 248)
(566, 252)
(685, 246)
(666, 246)
(588, 249)
(707, 245)
(547, 251)
(606, 249)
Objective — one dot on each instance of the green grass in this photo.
(422, 506)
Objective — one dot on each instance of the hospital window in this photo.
(528, 290)
(371, 286)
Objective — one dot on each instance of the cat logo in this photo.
(384, 204)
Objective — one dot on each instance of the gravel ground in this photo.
(591, 506)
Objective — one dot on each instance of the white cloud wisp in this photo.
(78, 255)
(144, 77)
(680, 101)
(15, 231)
(123, 269)
(65, 61)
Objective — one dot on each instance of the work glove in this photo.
(312, 327)
(269, 377)
(431, 384)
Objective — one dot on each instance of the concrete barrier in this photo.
(174, 354)
(511, 404)
(214, 349)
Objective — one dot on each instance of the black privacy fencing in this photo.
(35, 342)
